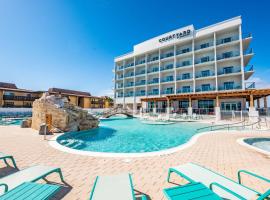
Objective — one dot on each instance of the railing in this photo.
(203, 111)
(153, 70)
(248, 51)
(129, 65)
(167, 67)
(140, 62)
(167, 55)
(205, 89)
(140, 73)
(249, 68)
(129, 85)
(183, 51)
(183, 64)
(140, 94)
(201, 75)
(180, 78)
(139, 83)
(227, 55)
(234, 87)
(167, 92)
(230, 71)
(153, 93)
(226, 40)
(179, 91)
(246, 35)
(250, 85)
(241, 125)
(199, 61)
(153, 59)
(167, 80)
(153, 82)
(19, 98)
(204, 46)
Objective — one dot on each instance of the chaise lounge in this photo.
(31, 174)
(118, 187)
(220, 185)
(5, 157)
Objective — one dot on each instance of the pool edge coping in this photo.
(243, 143)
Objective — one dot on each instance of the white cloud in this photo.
(259, 82)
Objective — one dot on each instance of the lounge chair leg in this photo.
(14, 163)
(6, 161)
(60, 174)
(169, 175)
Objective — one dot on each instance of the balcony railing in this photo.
(120, 67)
(233, 87)
(140, 73)
(246, 35)
(120, 95)
(230, 71)
(140, 93)
(249, 68)
(119, 87)
(153, 70)
(204, 46)
(250, 85)
(181, 77)
(183, 51)
(227, 40)
(140, 83)
(183, 64)
(167, 67)
(201, 60)
(129, 95)
(153, 93)
(120, 77)
(167, 79)
(167, 55)
(19, 98)
(129, 75)
(153, 59)
(248, 51)
(153, 82)
(140, 62)
(227, 55)
(205, 89)
(167, 92)
(201, 75)
(129, 84)
(184, 90)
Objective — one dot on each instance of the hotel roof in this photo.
(69, 92)
(13, 87)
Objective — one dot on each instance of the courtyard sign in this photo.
(173, 36)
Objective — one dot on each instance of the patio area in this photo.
(224, 155)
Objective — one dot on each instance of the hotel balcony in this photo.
(129, 65)
(167, 55)
(167, 79)
(140, 83)
(153, 93)
(204, 60)
(247, 37)
(205, 46)
(186, 63)
(227, 40)
(250, 85)
(229, 87)
(205, 74)
(140, 62)
(249, 71)
(229, 70)
(153, 59)
(184, 90)
(248, 54)
(228, 55)
(120, 67)
(167, 67)
(129, 75)
(153, 70)
(205, 89)
(120, 95)
(119, 86)
(120, 77)
(140, 93)
(140, 73)
(130, 84)
(167, 92)
(184, 77)
(19, 98)
(183, 51)
(129, 94)
(153, 82)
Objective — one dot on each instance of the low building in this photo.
(83, 99)
(11, 96)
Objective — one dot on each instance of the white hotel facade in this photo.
(186, 62)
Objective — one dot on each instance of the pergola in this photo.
(250, 95)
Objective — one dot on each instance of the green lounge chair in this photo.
(31, 174)
(5, 157)
(118, 187)
(221, 185)
(31, 191)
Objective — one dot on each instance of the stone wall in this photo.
(65, 116)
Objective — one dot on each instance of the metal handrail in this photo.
(219, 125)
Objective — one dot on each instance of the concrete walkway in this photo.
(218, 151)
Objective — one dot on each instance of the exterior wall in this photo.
(87, 102)
(1, 98)
(73, 100)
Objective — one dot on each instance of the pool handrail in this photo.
(219, 125)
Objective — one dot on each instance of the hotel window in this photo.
(169, 78)
(206, 87)
(186, 88)
(205, 73)
(9, 93)
(206, 104)
(155, 91)
(227, 54)
(169, 90)
(185, 50)
(183, 104)
(186, 76)
(228, 85)
(228, 70)
(205, 45)
(142, 92)
(155, 80)
(228, 106)
(225, 40)
(205, 59)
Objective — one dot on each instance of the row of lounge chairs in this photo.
(203, 184)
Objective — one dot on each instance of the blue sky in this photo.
(71, 44)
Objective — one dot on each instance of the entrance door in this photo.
(229, 106)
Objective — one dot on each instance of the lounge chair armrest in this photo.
(143, 197)
(251, 174)
(225, 189)
(5, 186)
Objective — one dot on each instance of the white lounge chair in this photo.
(31, 174)
(118, 187)
(221, 185)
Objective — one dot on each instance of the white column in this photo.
(217, 110)
(155, 108)
(190, 106)
(253, 114)
(159, 75)
(124, 98)
(174, 65)
(215, 55)
(242, 58)
(193, 66)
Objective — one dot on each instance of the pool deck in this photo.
(220, 152)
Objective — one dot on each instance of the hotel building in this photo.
(188, 69)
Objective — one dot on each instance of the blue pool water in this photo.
(261, 143)
(7, 122)
(130, 136)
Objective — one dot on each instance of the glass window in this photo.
(227, 54)
(225, 40)
(185, 50)
(186, 63)
(186, 88)
(183, 104)
(228, 85)
(206, 103)
(205, 73)
(228, 70)
(205, 59)
(186, 76)
(205, 45)
(206, 87)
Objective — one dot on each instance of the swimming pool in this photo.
(10, 121)
(118, 135)
(261, 143)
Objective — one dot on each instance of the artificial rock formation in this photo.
(64, 116)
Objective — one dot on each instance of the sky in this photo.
(72, 44)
